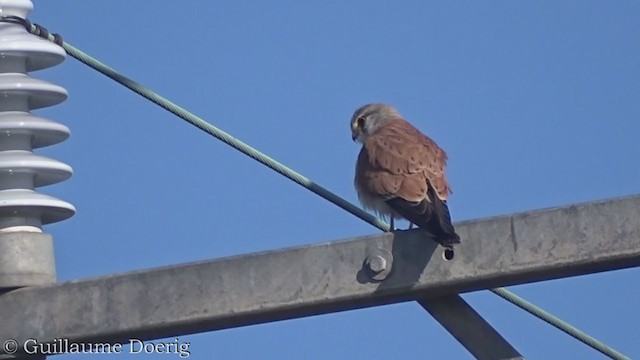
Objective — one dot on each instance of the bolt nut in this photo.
(377, 264)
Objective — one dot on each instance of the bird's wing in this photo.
(406, 168)
(399, 161)
(372, 179)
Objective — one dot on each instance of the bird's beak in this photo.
(355, 132)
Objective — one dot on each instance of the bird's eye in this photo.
(360, 122)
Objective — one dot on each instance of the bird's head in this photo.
(367, 119)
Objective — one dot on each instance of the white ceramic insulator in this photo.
(22, 208)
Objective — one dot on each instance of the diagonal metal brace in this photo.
(469, 328)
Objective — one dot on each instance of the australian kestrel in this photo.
(400, 172)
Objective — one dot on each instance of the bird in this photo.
(400, 172)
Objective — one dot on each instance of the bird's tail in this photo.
(444, 232)
(431, 216)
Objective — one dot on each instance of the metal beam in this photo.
(469, 328)
(329, 277)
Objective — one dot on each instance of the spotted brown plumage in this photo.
(400, 172)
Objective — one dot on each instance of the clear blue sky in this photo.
(536, 102)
